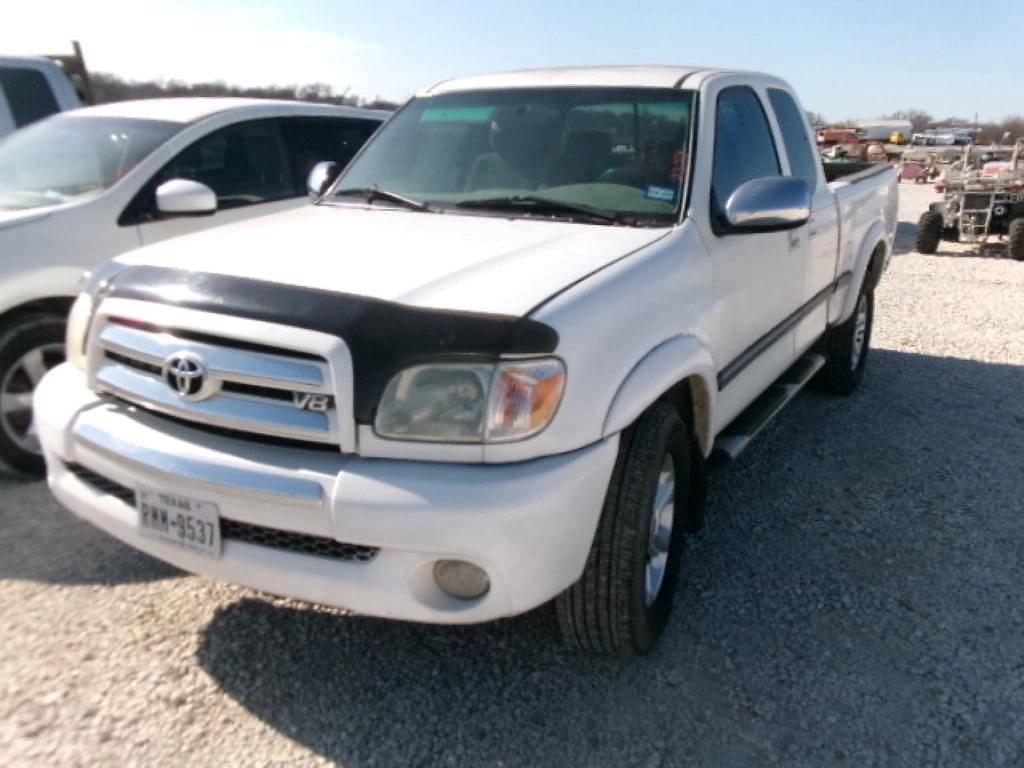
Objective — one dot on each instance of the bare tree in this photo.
(815, 118)
(919, 119)
(108, 87)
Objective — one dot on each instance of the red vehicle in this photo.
(829, 137)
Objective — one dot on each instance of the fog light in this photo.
(461, 579)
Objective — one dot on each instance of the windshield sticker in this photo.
(458, 115)
(662, 194)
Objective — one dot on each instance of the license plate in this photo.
(185, 522)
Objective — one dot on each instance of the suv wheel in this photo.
(29, 349)
(622, 602)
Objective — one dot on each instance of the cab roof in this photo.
(637, 76)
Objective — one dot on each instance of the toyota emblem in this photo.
(186, 374)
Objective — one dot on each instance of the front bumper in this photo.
(528, 525)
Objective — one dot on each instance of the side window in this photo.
(28, 94)
(744, 148)
(802, 160)
(311, 140)
(244, 164)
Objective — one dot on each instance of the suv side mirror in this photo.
(768, 204)
(183, 197)
(321, 177)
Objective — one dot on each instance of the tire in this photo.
(929, 232)
(845, 356)
(29, 348)
(1015, 239)
(619, 605)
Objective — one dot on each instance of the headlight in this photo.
(471, 402)
(80, 318)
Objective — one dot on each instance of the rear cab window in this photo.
(28, 94)
(803, 162)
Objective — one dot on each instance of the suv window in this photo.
(802, 160)
(28, 94)
(244, 164)
(311, 140)
(744, 148)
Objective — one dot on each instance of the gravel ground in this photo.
(855, 599)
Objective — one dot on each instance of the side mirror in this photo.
(769, 204)
(182, 197)
(321, 177)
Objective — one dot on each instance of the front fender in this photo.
(674, 360)
(33, 285)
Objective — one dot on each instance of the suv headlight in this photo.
(471, 402)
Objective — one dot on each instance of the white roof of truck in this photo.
(27, 61)
(638, 76)
(189, 109)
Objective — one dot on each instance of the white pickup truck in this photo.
(488, 367)
(31, 89)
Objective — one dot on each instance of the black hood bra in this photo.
(383, 337)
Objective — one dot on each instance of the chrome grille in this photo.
(247, 388)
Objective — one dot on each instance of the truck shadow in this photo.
(863, 554)
(993, 250)
(41, 541)
(906, 234)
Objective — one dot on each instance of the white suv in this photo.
(81, 187)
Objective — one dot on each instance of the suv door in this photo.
(822, 237)
(759, 276)
(245, 164)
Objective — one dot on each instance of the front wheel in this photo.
(29, 349)
(622, 602)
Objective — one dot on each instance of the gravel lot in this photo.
(855, 599)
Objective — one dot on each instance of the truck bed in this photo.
(851, 171)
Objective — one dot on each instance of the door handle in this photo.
(794, 240)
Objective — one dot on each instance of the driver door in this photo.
(759, 275)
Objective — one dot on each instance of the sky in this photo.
(859, 59)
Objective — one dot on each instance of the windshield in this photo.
(69, 157)
(619, 152)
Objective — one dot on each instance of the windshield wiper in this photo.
(538, 204)
(369, 194)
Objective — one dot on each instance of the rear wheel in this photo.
(622, 602)
(1015, 239)
(29, 349)
(929, 232)
(846, 348)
